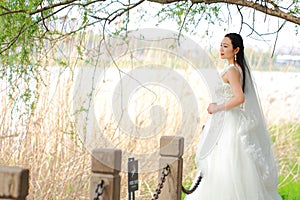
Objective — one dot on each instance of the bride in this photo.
(234, 153)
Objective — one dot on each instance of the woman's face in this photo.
(226, 49)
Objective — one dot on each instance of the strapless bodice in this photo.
(223, 90)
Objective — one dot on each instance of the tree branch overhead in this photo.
(275, 11)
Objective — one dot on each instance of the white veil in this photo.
(256, 137)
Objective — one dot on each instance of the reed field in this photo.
(49, 143)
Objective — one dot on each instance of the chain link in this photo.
(100, 186)
(165, 172)
(186, 191)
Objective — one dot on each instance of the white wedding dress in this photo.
(234, 152)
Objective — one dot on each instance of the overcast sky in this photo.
(287, 40)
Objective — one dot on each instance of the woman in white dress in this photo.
(234, 153)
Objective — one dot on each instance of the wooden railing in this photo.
(106, 165)
(105, 179)
(14, 183)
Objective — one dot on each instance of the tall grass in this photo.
(45, 143)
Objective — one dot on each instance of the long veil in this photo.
(256, 137)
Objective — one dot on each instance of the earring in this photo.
(234, 56)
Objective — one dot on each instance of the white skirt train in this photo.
(233, 170)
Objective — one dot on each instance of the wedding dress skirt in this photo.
(236, 168)
(229, 172)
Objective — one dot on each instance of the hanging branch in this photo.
(275, 11)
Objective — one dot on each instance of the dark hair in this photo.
(237, 41)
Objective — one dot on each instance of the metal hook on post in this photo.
(166, 169)
(100, 186)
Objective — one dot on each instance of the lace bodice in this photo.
(223, 90)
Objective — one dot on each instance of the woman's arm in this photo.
(232, 76)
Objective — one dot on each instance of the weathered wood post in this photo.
(171, 151)
(14, 183)
(106, 165)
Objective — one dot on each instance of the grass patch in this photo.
(286, 138)
(290, 191)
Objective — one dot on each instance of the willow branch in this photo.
(275, 11)
(126, 10)
(8, 12)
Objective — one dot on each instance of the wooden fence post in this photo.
(14, 183)
(106, 165)
(171, 151)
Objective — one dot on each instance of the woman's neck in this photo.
(231, 61)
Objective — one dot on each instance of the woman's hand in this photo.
(212, 108)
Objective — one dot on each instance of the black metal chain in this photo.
(186, 191)
(100, 186)
(165, 172)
